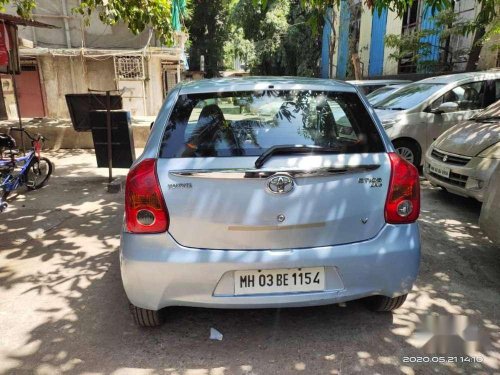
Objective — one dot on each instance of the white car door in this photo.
(469, 100)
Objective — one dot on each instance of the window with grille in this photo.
(409, 25)
(129, 67)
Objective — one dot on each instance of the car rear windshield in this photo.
(249, 123)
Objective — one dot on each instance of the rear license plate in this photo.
(441, 171)
(291, 280)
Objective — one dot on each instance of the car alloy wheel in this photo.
(406, 153)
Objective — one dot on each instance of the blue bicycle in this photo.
(34, 169)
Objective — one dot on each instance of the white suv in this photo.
(415, 115)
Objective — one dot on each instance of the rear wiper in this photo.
(293, 149)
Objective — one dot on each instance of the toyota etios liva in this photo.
(268, 192)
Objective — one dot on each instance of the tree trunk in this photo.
(357, 66)
(475, 50)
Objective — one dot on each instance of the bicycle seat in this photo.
(6, 141)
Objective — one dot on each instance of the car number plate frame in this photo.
(440, 171)
(276, 281)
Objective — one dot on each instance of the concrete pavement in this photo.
(63, 309)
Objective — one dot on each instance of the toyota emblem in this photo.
(280, 184)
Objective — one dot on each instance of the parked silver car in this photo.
(232, 205)
(366, 86)
(417, 114)
(463, 159)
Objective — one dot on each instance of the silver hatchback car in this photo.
(268, 192)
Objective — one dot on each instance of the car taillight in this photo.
(145, 209)
(403, 199)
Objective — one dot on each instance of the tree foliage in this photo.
(24, 8)
(236, 46)
(284, 43)
(208, 32)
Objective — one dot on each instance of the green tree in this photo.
(301, 47)
(208, 31)
(284, 42)
(236, 46)
(265, 27)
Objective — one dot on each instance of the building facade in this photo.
(76, 58)
(353, 28)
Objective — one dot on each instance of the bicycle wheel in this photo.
(39, 172)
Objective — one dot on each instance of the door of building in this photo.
(29, 91)
(170, 78)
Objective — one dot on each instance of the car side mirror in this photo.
(446, 107)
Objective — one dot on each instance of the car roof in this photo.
(262, 83)
(369, 82)
(470, 76)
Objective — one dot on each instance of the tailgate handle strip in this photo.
(235, 173)
(252, 228)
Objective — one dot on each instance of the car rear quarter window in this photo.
(248, 123)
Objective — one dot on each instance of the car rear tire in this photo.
(146, 318)
(408, 150)
(383, 303)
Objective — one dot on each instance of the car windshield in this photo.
(380, 94)
(249, 123)
(409, 96)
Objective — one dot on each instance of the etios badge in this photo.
(280, 184)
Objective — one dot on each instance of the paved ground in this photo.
(63, 309)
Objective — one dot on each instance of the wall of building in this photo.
(365, 38)
(96, 35)
(393, 27)
(98, 74)
(155, 85)
(489, 58)
(394, 24)
(466, 10)
(334, 59)
(57, 80)
(62, 74)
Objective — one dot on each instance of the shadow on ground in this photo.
(63, 309)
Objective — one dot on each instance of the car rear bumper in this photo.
(157, 272)
(470, 180)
